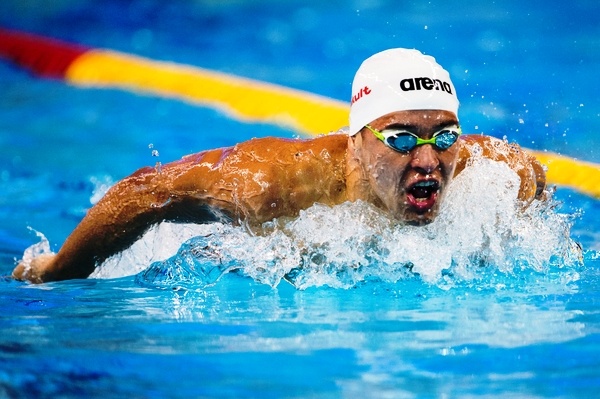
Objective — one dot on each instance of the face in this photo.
(409, 185)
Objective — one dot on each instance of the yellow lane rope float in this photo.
(240, 98)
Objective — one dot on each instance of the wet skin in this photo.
(409, 185)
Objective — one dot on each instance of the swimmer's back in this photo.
(266, 177)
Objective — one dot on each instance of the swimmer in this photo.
(403, 147)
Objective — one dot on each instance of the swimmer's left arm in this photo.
(529, 169)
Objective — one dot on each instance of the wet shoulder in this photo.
(331, 146)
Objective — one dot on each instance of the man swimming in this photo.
(403, 147)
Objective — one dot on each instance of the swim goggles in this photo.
(404, 141)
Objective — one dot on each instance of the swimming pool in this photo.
(516, 328)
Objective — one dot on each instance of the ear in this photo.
(355, 144)
(357, 186)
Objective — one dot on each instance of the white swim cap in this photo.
(399, 80)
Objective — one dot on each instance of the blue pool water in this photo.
(520, 318)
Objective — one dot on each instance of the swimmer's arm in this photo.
(232, 183)
(529, 169)
(126, 211)
(122, 215)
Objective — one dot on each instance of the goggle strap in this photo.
(377, 133)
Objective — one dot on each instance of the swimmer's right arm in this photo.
(257, 181)
(122, 215)
(126, 211)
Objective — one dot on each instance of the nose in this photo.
(424, 159)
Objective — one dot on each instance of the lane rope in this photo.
(239, 98)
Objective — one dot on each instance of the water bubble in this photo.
(154, 151)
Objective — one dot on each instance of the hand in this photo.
(35, 270)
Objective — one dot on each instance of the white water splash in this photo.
(33, 251)
(101, 186)
(481, 229)
(40, 248)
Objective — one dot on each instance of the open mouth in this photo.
(423, 194)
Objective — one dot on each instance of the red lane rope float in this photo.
(43, 56)
(240, 98)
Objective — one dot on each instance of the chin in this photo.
(413, 216)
